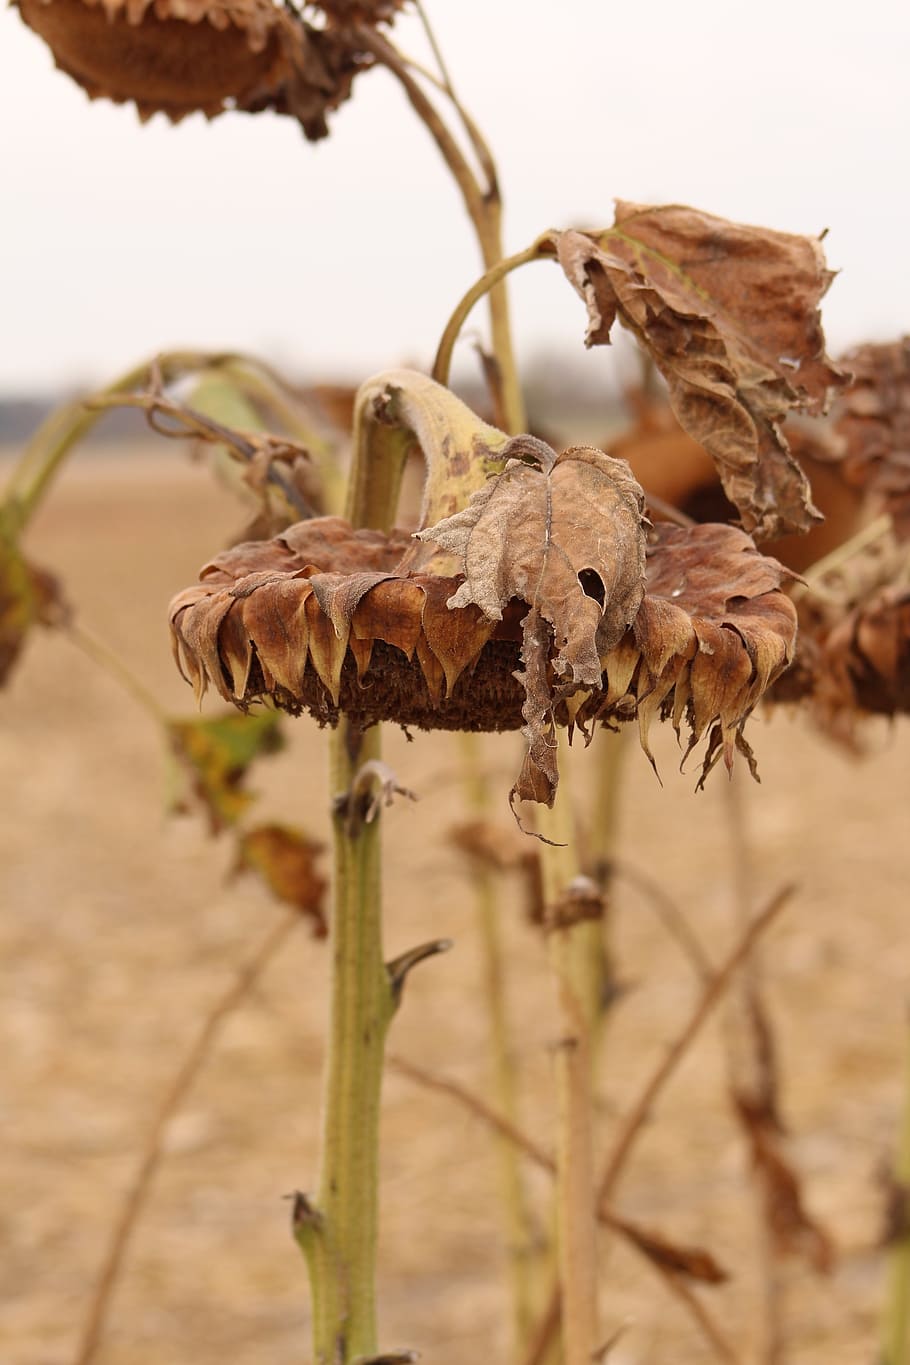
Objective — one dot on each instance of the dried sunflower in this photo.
(547, 600)
(180, 57)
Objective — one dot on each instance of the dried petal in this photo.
(712, 633)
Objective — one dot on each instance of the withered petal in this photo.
(336, 629)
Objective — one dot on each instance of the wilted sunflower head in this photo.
(179, 57)
(547, 600)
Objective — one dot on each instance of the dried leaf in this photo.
(870, 425)
(178, 57)
(215, 755)
(729, 315)
(853, 658)
(28, 596)
(692, 1262)
(792, 1228)
(562, 533)
(285, 859)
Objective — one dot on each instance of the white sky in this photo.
(347, 257)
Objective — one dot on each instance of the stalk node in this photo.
(581, 900)
(374, 786)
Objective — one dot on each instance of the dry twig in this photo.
(138, 1191)
(549, 1322)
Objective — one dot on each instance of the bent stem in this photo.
(64, 429)
(482, 202)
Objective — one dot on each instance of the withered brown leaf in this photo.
(730, 316)
(285, 859)
(563, 534)
(793, 1229)
(692, 1262)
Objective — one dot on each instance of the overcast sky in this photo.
(347, 257)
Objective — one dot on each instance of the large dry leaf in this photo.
(730, 316)
(563, 534)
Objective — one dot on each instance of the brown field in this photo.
(119, 929)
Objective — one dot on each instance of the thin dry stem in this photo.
(478, 142)
(711, 994)
(105, 658)
(527, 1252)
(575, 952)
(137, 1194)
(744, 1072)
(539, 1346)
(668, 912)
(484, 209)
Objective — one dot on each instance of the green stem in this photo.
(105, 657)
(496, 272)
(896, 1327)
(341, 1246)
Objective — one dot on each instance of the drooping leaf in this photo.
(215, 756)
(793, 1229)
(563, 534)
(729, 315)
(286, 859)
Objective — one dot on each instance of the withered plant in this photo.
(535, 594)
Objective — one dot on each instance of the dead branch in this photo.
(668, 1064)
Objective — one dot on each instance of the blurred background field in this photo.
(122, 926)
